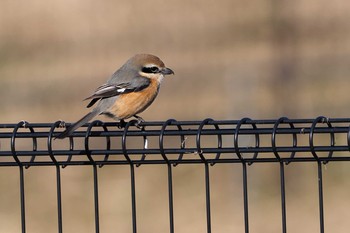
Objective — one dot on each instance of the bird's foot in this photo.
(139, 121)
(62, 124)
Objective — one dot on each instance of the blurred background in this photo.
(232, 59)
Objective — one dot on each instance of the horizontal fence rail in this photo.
(208, 142)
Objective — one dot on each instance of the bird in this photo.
(129, 91)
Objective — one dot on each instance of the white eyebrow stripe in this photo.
(149, 65)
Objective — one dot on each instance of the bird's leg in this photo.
(139, 121)
(122, 124)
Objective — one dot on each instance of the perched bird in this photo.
(130, 90)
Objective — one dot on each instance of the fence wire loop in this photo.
(71, 144)
(235, 139)
(145, 144)
(35, 143)
(13, 142)
(86, 141)
(198, 138)
(49, 141)
(182, 144)
(161, 139)
(219, 145)
(320, 119)
(273, 138)
(108, 145)
(125, 133)
(71, 148)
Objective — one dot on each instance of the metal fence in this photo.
(173, 143)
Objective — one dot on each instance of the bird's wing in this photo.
(109, 89)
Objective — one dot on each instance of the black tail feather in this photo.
(69, 131)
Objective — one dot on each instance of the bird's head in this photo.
(149, 66)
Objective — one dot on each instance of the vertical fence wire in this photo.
(245, 197)
(58, 177)
(22, 199)
(132, 176)
(21, 174)
(96, 203)
(282, 178)
(320, 119)
(320, 195)
(170, 174)
(283, 199)
(206, 172)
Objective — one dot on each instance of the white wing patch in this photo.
(121, 90)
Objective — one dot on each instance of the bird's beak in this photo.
(167, 71)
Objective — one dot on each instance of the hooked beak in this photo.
(166, 71)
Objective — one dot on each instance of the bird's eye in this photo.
(152, 69)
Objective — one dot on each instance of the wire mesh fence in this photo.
(175, 143)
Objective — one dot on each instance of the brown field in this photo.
(232, 59)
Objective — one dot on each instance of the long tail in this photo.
(79, 123)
